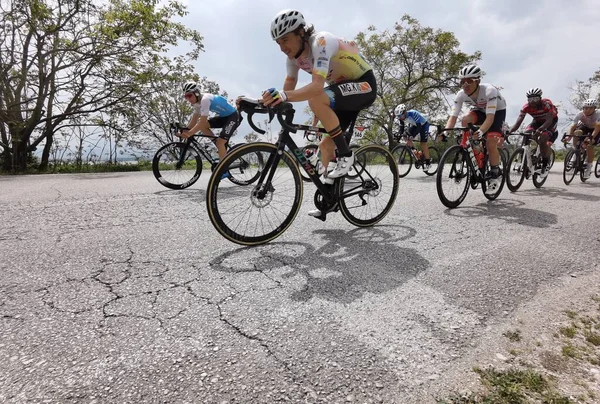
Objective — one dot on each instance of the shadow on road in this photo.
(348, 265)
(508, 210)
(549, 192)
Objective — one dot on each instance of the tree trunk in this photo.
(46, 153)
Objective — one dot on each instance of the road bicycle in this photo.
(178, 165)
(525, 163)
(462, 167)
(260, 213)
(407, 156)
(576, 158)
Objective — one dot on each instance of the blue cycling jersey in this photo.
(213, 103)
(414, 117)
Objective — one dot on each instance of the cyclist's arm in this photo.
(458, 102)
(548, 121)
(193, 120)
(451, 122)
(315, 88)
(596, 130)
(202, 125)
(518, 123)
(290, 83)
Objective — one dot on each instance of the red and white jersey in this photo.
(538, 112)
(487, 99)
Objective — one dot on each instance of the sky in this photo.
(547, 43)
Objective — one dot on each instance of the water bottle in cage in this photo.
(478, 157)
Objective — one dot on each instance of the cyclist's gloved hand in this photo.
(272, 97)
(478, 134)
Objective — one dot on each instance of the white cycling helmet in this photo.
(590, 102)
(400, 109)
(286, 21)
(470, 72)
(534, 92)
(191, 87)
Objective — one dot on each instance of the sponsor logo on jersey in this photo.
(355, 88)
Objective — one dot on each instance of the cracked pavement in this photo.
(114, 289)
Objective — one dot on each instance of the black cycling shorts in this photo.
(499, 118)
(228, 123)
(347, 99)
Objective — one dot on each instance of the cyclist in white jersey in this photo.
(488, 110)
(587, 121)
(332, 62)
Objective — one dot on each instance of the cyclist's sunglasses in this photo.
(466, 81)
(534, 99)
(188, 95)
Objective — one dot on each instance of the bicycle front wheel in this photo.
(453, 176)
(257, 214)
(368, 197)
(517, 168)
(571, 165)
(434, 156)
(403, 159)
(175, 172)
(597, 169)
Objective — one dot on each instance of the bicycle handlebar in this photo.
(252, 106)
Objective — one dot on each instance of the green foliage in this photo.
(79, 59)
(414, 65)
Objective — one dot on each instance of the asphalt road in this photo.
(115, 289)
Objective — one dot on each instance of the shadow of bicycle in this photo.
(188, 193)
(510, 211)
(345, 268)
(558, 193)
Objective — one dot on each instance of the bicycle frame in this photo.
(466, 143)
(330, 193)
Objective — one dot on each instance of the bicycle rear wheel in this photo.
(517, 169)
(571, 166)
(403, 159)
(597, 168)
(434, 155)
(166, 168)
(246, 169)
(453, 176)
(368, 197)
(260, 213)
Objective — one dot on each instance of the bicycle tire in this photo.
(502, 174)
(167, 173)
(403, 159)
(597, 168)
(239, 214)
(454, 163)
(571, 167)
(538, 182)
(552, 158)
(517, 166)
(312, 148)
(434, 155)
(376, 186)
